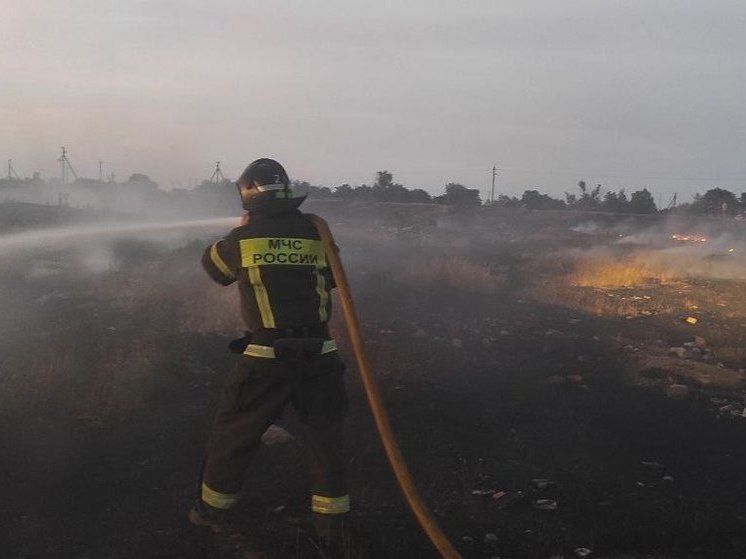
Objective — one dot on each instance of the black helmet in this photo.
(270, 190)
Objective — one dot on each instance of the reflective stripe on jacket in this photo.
(281, 269)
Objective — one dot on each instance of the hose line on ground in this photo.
(401, 472)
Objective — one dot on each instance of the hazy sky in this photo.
(629, 94)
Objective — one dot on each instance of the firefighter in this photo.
(288, 357)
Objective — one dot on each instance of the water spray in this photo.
(45, 238)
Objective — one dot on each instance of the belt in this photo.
(267, 336)
(268, 352)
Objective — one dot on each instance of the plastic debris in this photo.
(506, 498)
(276, 435)
(582, 552)
(545, 504)
(490, 538)
(677, 391)
(540, 484)
(735, 410)
(652, 465)
(483, 492)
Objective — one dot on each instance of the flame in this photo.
(683, 238)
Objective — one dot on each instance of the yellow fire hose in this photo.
(401, 472)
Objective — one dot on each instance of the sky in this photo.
(627, 94)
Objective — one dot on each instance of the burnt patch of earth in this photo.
(110, 380)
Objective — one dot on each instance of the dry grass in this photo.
(106, 361)
(605, 301)
(453, 271)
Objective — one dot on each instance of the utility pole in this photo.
(217, 176)
(63, 169)
(494, 174)
(100, 171)
(65, 164)
(672, 204)
(12, 171)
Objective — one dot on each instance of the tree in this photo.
(460, 196)
(718, 201)
(386, 190)
(418, 196)
(343, 191)
(615, 202)
(319, 192)
(588, 199)
(534, 200)
(504, 201)
(142, 183)
(384, 180)
(642, 202)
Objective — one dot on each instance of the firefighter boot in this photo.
(203, 515)
(335, 535)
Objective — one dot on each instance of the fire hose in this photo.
(401, 471)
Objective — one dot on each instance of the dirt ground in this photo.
(504, 356)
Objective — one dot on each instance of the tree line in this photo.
(715, 201)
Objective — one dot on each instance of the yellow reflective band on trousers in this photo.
(218, 500)
(268, 352)
(330, 505)
(323, 296)
(220, 263)
(282, 252)
(262, 299)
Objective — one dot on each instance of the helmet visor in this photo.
(291, 191)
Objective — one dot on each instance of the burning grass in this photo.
(669, 290)
(603, 271)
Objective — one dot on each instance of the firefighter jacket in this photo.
(281, 269)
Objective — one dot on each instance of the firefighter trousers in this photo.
(254, 397)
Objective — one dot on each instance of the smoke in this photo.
(108, 305)
(690, 248)
(98, 259)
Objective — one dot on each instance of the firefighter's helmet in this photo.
(265, 187)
